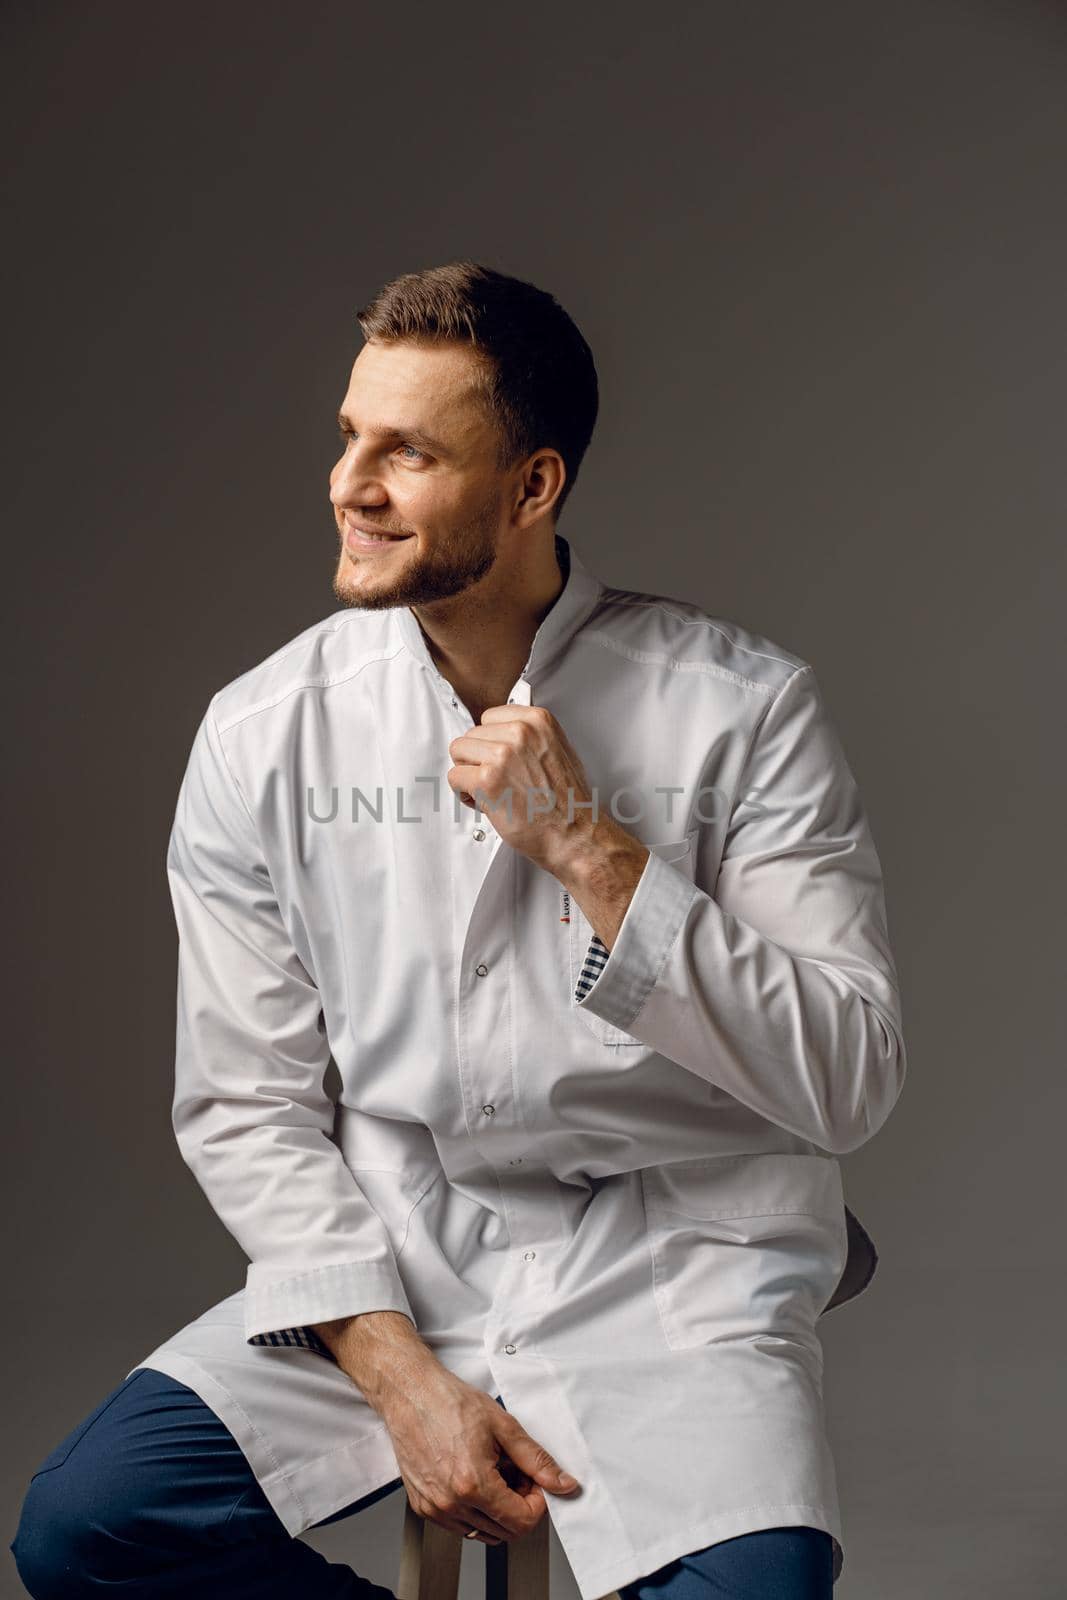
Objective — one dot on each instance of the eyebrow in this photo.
(415, 435)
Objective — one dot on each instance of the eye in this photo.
(346, 434)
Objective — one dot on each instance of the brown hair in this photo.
(540, 380)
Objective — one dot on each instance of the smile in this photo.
(355, 540)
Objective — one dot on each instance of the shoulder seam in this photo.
(789, 682)
(711, 669)
(622, 598)
(776, 700)
(308, 683)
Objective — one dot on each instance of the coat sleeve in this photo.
(250, 1113)
(781, 988)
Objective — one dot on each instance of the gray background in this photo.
(819, 251)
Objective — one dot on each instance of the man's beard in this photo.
(458, 559)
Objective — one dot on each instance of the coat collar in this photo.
(575, 602)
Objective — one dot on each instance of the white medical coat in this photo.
(603, 1188)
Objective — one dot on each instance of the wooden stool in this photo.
(430, 1558)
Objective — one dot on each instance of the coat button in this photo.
(479, 834)
(509, 1349)
(482, 970)
(529, 1255)
(490, 1111)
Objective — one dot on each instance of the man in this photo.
(606, 1005)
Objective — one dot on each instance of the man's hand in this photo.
(466, 1463)
(521, 761)
(520, 765)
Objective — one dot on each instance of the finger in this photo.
(477, 743)
(453, 1524)
(534, 1459)
(480, 1522)
(534, 1496)
(479, 1509)
(512, 1475)
(512, 1514)
(509, 713)
(466, 776)
(504, 1527)
(480, 1515)
(472, 780)
(469, 1519)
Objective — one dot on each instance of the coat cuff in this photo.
(282, 1300)
(293, 1339)
(614, 984)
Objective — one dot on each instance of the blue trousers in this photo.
(151, 1496)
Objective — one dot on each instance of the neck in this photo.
(480, 640)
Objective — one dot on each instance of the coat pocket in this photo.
(587, 960)
(744, 1246)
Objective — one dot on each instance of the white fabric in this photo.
(622, 1213)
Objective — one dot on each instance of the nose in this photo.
(353, 484)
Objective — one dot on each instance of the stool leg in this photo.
(429, 1559)
(518, 1569)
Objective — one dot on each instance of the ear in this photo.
(539, 487)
